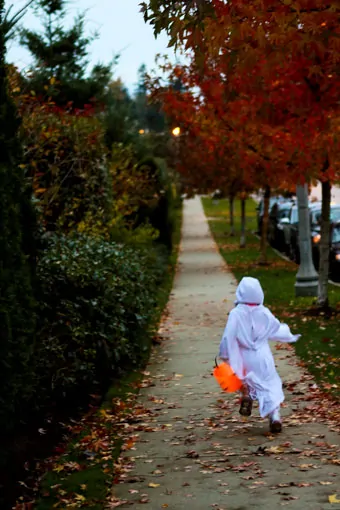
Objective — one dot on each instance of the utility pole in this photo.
(307, 278)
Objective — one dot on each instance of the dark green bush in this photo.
(17, 225)
(159, 213)
(96, 300)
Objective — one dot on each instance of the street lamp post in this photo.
(307, 278)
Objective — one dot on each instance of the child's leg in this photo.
(275, 421)
(246, 402)
(245, 390)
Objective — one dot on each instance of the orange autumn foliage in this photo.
(266, 80)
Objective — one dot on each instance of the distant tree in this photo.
(149, 115)
(120, 118)
(61, 58)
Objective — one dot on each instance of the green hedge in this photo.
(96, 301)
(95, 304)
(98, 306)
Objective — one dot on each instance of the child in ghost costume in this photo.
(245, 346)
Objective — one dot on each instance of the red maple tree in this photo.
(270, 69)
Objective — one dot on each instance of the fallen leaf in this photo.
(333, 499)
(59, 468)
(275, 449)
(154, 485)
(80, 498)
(116, 503)
(192, 454)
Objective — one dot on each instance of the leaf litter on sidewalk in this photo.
(309, 405)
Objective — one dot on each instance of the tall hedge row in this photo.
(17, 317)
(85, 239)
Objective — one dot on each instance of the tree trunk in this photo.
(264, 242)
(243, 223)
(231, 215)
(324, 244)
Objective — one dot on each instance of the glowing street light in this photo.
(141, 131)
(176, 131)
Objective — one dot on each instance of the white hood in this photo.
(249, 291)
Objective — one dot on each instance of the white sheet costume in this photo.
(245, 345)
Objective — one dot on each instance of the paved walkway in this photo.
(192, 449)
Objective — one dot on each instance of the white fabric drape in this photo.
(245, 344)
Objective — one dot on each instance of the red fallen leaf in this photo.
(116, 503)
(243, 467)
(326, 340)
(192, 454)
(287, 444)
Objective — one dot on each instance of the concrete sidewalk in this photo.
(192, 449)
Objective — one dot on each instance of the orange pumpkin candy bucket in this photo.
(226, 377)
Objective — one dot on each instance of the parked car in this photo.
(291, 233)
(315, 215)
(291, 230)
(315, 219)
(334, 254)
(260, 209)
(278, 216)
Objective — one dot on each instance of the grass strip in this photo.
(319, 347)
(82, 472)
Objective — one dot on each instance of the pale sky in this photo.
(122, 30)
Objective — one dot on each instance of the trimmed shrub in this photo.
(96, 300)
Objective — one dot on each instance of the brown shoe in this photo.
(246, 406)
(275, 426)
